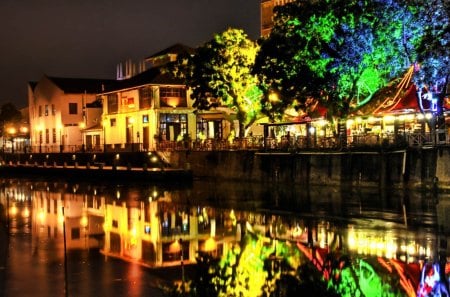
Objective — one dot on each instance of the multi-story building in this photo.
(267, 7)
(60, 109)
(152, 106)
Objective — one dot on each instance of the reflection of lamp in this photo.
(182, 266)
(210, 245)
(177, 247)
(84, 224)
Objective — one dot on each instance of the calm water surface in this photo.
(129, 240)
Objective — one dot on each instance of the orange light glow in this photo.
(210, 245)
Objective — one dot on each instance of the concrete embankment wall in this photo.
(410, 167)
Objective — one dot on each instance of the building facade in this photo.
(60, 109)
(267, 7)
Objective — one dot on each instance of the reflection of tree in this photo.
(266, 266)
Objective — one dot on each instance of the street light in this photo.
(130, 124)
(84, 223)
(61, 148)
(24, 132)
(182, 265)
(138, 140)
(82, 125)
(12, 132)
(39, 129)
(104, 123)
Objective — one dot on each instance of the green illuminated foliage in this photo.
(337, 52)
(433, 47)
(219, 74)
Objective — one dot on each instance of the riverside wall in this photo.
(420, 167)
(411, 167)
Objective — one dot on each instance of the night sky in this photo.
(88, 38)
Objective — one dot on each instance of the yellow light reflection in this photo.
(84, 221)
(13, 211)
(26, 212)
(210, 245)
(41, 216)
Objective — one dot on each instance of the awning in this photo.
(407, 102)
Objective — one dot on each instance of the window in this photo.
(172, 92)
(53, 109)
(73, 108)
(112, 122)
(47, 136)
(46, 110)
(172, 125)
(54, 135)
(145, 97)
(145, 118)
(113, 103)
(172, 97)
(75, 233)
(40, 110)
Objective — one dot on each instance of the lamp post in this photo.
(39, 129)
(104, 135)
(130, 124)
(24, 132)
(138, 141)
(82, 126)
(12, 132)
(61, 148)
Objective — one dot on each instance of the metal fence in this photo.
(284, 143)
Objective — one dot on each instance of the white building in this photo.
(60, 109)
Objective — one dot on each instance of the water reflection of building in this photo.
(151, 227)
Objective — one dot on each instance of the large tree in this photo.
(337, 52)
(434, 50)
(219, 74)
(9, 114)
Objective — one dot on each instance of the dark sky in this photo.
(88, 38)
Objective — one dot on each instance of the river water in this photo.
(110, 239)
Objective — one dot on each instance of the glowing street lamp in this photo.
(12, 132)
(82, 125)
(39, 130)
(104, 123)
(24, 132)
(61, 148)
(130, 124)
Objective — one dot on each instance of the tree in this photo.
(434, 50)
(9, 114)
(336, 52)
(221, 69)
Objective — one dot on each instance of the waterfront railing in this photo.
(283, 143)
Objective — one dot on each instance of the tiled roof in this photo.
(154, 76)
(81, 85)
